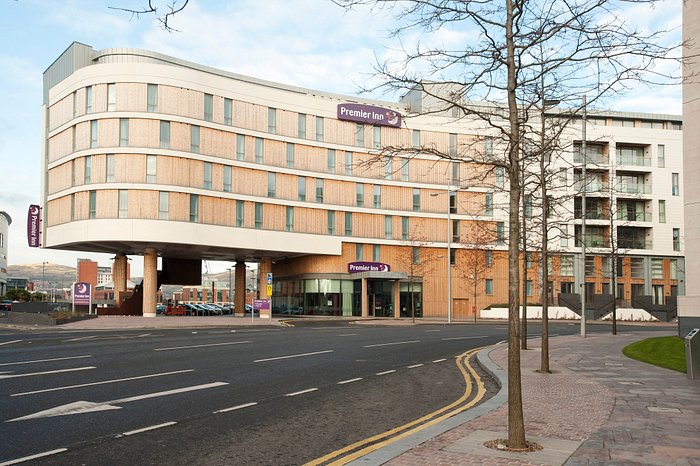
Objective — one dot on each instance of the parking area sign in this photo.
(269, 278)
(269, 290)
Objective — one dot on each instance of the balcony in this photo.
(627, 216)
(633, 243)
(593, 186)
(633, 161)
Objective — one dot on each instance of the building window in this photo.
(194, 208)
(258, 215)
(452, 150)
(377, 137)
(488, 258)
(109, 176)
(163, 208)
(388, 168)
(488, 204)
(387, 226)
(259, 149)
(75, 104)
(566, 266)
(528, 260)
(319, 128)
(377, 196)
(88, 99)
(87, 175)
(111, 97)
(453, 202)
(93, 134)
(500, 177)
(150, 169)
(271, 184)
(360, 195)
(73, 141)
(673, 269)
(376, 253)
(207, 175)
(405, 232)
(662, 211)
(564, 236)
(415, 138)
(72, 206)
(455, 231)
(165, 135)
(301, 126)
(456, 173)
(488, 286)
(415, 255)
(488, 147)
(123, 132)
(123, 203)
(359, 252)
(289, 221)
(290, 155)
(528, 287)
(228, 111)
(348, 163)
(240, 147)
(330, 161)
(302, 188)
(500, 233)
(228, 175)
(319, 190)
(348, 223)
(657, 268)
(93, 204)
(331, 222)
(405, 170)
(661, 153)
(416, 199)
(194, 139)
(360, 135)
(152, 98)
(676, 239)
(271, 120)
(208, 107)
(240, 213)
(675, 188)
(563, 177)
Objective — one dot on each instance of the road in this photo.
(225, 396)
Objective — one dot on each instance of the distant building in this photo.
(101, 278)
(14, 283)
(5, 221)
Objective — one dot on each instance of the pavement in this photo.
(596, 407)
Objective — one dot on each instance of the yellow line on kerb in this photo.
(413, 426)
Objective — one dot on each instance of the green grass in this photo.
(668, 352)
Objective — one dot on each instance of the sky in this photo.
(309, 43)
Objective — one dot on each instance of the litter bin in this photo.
(692, 354)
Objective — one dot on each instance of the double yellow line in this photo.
(363, 447)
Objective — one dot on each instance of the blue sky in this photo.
(309, 43)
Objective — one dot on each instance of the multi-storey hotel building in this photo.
(146, 154)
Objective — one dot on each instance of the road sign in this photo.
(269, 278)
(269, 290)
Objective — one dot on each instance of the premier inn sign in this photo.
(369, 114)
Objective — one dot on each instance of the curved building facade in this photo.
(150, 155)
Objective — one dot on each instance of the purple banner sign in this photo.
(82, 293)
(355, 267)
(33, 226)
(369, 114)
(261, 304)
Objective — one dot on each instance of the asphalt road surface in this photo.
(225, 396)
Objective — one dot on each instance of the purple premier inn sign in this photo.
(82, 294)
(355, 267)
(369, 114)
(33, 226)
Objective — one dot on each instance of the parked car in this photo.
(160, 309)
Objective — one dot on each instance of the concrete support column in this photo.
(119, 277)
(397, 298)
(264, 267)
(364, 299)
(239, 295)
(150, 282)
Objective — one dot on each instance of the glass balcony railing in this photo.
(593, 186)
(634, 216)
(592, 214)
(633, 161)
(633, 243)
(637, 188)
(592, 159)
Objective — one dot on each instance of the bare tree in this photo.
(172, 8)
(475, 263)
(413, 260)
(587, 39)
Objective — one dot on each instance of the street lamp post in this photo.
(583, 220)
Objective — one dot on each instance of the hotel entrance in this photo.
(380, 298)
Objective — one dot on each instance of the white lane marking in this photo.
(428, 331)
(349, 381)
(294, 356)
(9, 342)
(394, 343)
(308, 390)
(202, 346)
(44, 360)
(440, 360)
(234, 408)
(146, 429)
(81, 338)
(463, 338)
(347, 334)
(33, 457)
(74, 369)
(385, 372)
(80, 407)
(67, 387)
(414, 366)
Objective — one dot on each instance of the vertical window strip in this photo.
(123, 203)
(194, 208)
(123, 132)
(194, 139)
(93, 134)
(271, 120)
(163, 205)
(87, 175)
(151, 169)
(152, 105)
(207, 175)
(228, 175)
(240, 147)
(228, 111)
(208, 107)
(164, 134)
(109, 166)
(111, 97)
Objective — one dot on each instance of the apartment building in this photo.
(341, 201)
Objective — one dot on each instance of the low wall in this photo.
(34, 318)
(564, 313)
(633, 315)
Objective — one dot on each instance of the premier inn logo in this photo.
(369, 114)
